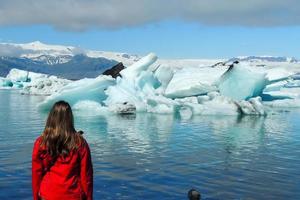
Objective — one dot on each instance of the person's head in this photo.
(194, 195)
(59, 136)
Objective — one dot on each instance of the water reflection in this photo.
(227, 153)
(148, 156)
(135, 132)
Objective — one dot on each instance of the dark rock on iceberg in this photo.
(115, 70)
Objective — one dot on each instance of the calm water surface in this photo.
(160, 156)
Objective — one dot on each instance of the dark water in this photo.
(161, 156)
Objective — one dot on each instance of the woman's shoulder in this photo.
(37, 147)
(38, 140)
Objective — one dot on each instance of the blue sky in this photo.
(196, 31)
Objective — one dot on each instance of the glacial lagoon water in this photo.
(149, 156)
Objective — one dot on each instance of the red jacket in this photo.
(67, 178)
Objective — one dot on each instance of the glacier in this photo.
(150, 85)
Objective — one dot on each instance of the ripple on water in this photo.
(149, 156)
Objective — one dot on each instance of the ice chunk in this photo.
(275, 86)
(193, 82)
(147, 82)
(284, 93)
(161, 104)
(133, 89)
(87, 107)
(215, 104)
(124, 97)
(241, 82)
(283, 103)
(4, 82)
(219, 105)
(212, 104)
(34, 83)
(85, 89)
(287, 89)
(44, 86)
(130, 73)
(278, 74)
(164, 75)
(292, 84)
(18, 75)
(252, 107)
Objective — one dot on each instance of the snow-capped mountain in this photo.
(75, 62)
(264, 59)
(55, 54)
(66, 61)
(53, 60)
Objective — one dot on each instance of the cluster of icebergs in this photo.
(32, 83)
(147, 86)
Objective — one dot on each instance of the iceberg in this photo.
(91, 108)
(44, 86)
(164, 75)
(240, 82)
(252, 107)
(130, 73)
(33, 83)
(149, 87)
(283, 103)
(4, 82)
(278, 74)
(84, 89)
(135, 86)
(193, 82)
(217, 106)
(17, 75)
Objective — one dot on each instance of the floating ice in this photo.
(241, 82)
(134, 70)
(135, 86)
(164, 75)
(33, 83)
(192, 82)
(148, 87)
(18, 75)
(210, 104)
(87, 107)
(44, 86)
(84, 89)
(162, 105)
(278, 74)
(4, 82)
(283, 103)
(252, 107)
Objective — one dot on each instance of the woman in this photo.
(61, 159)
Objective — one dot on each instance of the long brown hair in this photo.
(59, 136)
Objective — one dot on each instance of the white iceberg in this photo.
(133, 89)
(252, 107)
(193, 82)
(44, 86)
(164, 75)
(84, 89)
(148, 87)
(18, 75)
(92, 108)
(34, 83)
(241, 82)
